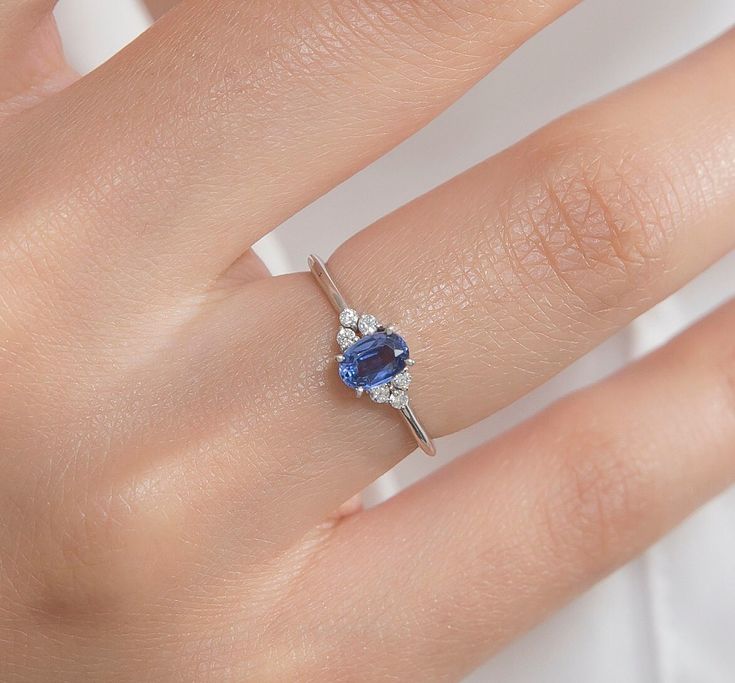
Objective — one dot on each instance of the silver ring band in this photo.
(389, 382)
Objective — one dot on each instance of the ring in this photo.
(374, 358)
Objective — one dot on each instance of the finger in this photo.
(535, 256)
(490, 546)
(497, 280)
(32, 64)
(242, 113)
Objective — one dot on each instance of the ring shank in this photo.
(319, 270)
(419, 433)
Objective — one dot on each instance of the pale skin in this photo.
(168, 491)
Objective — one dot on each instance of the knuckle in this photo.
(599, 219)
(603, 493)
(89, 556)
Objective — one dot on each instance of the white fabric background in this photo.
(668, 617)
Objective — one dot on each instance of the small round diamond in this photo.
(348, 318)
(399, 399)
(368, 324)
(346, 337)
(380, 394)
(402, 380)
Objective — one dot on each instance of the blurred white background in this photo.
(670, 616)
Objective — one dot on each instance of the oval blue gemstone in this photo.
(373, 360)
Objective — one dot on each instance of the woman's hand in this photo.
(173, 437)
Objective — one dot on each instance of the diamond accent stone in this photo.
(399, 399)
(402, 380)
(368, 324)
(380, 394)
(349, 318)
(346, 337)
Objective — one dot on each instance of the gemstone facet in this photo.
(348, 318)
(399, 399)
(402, 380)
(381, 394)
(346, 337)
(368, 324)
(373, 360)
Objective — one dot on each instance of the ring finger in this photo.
(498, 280)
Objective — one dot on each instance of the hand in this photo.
(173, 437)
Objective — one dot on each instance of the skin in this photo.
(168, 491)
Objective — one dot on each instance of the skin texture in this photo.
(30, 46)
(169, 481)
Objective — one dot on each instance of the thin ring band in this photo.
(319, 270)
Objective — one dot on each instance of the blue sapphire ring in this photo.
(374, 358)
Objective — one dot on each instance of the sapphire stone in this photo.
(373, 360)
